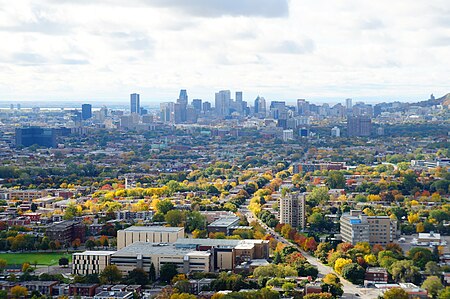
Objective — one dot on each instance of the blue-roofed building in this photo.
(358, 227)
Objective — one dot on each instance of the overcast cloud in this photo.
(321, 49)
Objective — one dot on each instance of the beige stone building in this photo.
(90, 262)
(142, 255)
(358, 227)
(151, 234)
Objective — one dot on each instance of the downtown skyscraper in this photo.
(135, 106)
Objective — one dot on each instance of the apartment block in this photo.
(358, 227)
(152, 234)
(292, 209)
(90, 262)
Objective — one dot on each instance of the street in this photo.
(350, 290)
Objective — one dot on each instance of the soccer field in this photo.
(47, 259)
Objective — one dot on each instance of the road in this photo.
(350, 290)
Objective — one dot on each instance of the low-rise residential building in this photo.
(43, 287)
(82, 289)
(375, 275)
(114, 295)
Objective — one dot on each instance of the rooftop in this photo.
(153, 229)
(145, 248)
(94, 253)
(225, 222)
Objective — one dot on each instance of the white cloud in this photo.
(282, 50)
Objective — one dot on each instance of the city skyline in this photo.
(280, 50)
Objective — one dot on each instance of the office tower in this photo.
(206, 106)
(135, 103)
(336, 132)
(239, 102)
(191, 114)
(348, 104)
(260, 106)
(278, 110)
(292, 209)
(182, 101)
(178, 113)
(223, 102)
(19, 106)
(302, 107)
(359, 126)
(36, 135)
(183, 98)
(358, 227)
(197, 103)
(11, 106)
(86, 111)
(166, 111)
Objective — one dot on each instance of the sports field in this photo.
(47, 259)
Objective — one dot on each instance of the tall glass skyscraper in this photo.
(135, 103)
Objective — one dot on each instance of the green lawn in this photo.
(47, 259)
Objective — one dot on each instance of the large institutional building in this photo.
(151, 234)
(292, 209)
(142, 246)
(358, 227)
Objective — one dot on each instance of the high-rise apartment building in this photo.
(359, 126)
(292, 209)
(358, 227)
(135, 105)
(86, 111)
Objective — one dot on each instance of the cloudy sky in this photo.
(280, 49)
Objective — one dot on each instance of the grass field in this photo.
(47, 259)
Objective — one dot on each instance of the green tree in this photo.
(63, 261)
(3, 264)
(167, 272)
(445, 293)
(18, 292)
(420, 256)
(335, 180)
(164, 206)
(432, 268)
(90, 244)
(318, 195)
(111, 274)
(354, 273)
(174, 218)
(395, 293)
(137, 276)
(195, 220)
(318, 296)
(404, 271)
(433, 285)
(152, 273)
